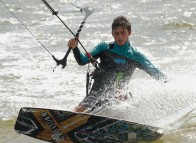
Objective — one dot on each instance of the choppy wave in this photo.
(180, 25)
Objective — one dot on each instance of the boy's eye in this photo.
(117, 33)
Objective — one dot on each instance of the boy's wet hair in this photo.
(121, 21)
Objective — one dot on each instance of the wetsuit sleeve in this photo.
(147, 66)
(82, 59)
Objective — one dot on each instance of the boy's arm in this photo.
(82, 59)
(147, 66)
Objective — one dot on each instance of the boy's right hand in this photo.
(72, 43)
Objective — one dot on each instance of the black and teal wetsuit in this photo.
(118, 64)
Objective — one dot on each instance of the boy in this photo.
(118, 60)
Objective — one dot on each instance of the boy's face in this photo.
(121, 35)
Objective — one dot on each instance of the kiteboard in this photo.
(59, 126)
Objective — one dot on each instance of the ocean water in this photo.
(164, 30)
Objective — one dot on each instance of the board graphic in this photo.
(58, 126)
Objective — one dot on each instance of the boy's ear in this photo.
(112, 33)
(129, 33)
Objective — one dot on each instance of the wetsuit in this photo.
(118, 64)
